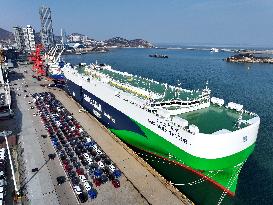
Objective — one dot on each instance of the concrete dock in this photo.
(140, 184)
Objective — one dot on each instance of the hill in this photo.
(5, 35)
(122, 42)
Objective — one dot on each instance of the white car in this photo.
(90, 161)
(77, 190)
(58, 123)
(82, 178)
(86, 156)
(87, 186)
(97, 149)
(112, 167)
(87, 138)
(101, 165)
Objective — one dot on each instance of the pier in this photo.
(140, 183)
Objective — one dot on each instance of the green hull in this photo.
(202, 168)
(198, 190)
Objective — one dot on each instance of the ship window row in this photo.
(172, 133)
(175, 103)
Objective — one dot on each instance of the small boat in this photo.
(158, 56)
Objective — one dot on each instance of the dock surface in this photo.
(140, 184)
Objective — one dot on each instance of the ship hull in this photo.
(213, 183)
(73, 90)
(194, 186)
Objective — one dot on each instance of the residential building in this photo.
(19, 37)
(29, 38)
(76, 37)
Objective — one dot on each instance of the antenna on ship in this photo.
(175, 92)
(179, 84)
(207, 83)
(240, 118)
(166, 87)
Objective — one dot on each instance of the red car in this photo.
(97, 182)
(68, 167)
(116, 183)
(65, 162)
(80, 171)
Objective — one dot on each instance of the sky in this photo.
(189, 22)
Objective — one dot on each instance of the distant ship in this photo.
(208, 139)
(214, 50)
(158, 56)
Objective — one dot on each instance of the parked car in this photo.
(71, 173)
(83, 197)
(92, 193)
(75, 180)
(103, 179)
(80, 171)
(116, 183)
(82, 178)
(77, 189)
(87, 186)
(76, 165)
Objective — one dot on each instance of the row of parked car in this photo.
(81, 156)
(3, 180)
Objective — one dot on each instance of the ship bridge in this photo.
(180, 105)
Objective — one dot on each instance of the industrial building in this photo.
(47, 36)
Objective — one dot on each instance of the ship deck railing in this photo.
(161, 90)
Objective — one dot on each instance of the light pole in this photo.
(8, 97)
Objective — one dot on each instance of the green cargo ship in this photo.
(199, 142)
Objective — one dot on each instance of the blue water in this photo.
(247, 84)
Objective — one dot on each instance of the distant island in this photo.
(124, 43)
(248, 58)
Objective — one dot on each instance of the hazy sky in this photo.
(237, 22)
